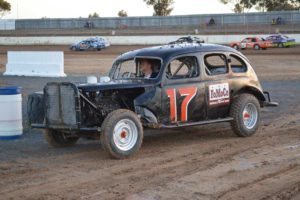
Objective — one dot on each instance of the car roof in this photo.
(173, 50)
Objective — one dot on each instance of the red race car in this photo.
(252, 43)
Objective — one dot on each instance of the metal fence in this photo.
(7, 24)
(286, 17)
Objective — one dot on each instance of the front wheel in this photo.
(280, 45)
(236, 47)
(59, 139)
(122, 133)
(256, 47)
(245, 111)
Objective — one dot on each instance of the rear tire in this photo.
(35, 108)
(245, 111)
(122, 134)
(56, 138)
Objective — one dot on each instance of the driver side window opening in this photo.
(183, 67)
(215, 64)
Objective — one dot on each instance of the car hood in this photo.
(117, 84)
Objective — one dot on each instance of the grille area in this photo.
(62, 106)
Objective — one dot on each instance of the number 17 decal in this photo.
(189, 94)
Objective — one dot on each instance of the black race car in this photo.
(190, 85)
(187, 39)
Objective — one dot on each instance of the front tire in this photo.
(56, 138)
(236, 47)
(256, 47)
(245, 111)
(122, 134)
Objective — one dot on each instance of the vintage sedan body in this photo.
(194, 84)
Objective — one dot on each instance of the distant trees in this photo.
(239, 6)
(122, 13)
(276, 5)
(4, 7)
(94, 15)
(161, 7)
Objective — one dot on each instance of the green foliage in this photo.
(239, 6)
(122, 13)
(276, 5)
(94, 15)
(4, 7)
(161, 7)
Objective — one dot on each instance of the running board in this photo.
(228, 119)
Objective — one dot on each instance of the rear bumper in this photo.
(268, 102)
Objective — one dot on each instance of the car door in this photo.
(244, 43)
(217, 85)
(183, 91)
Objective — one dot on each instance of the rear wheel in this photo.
(245, 111)
(59, 139)
(122, 133)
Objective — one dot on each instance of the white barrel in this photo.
(10, 113)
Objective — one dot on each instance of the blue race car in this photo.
(281, 41)
(95, 43)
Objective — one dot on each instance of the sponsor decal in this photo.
(219, 94)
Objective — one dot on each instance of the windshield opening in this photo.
(138, 68)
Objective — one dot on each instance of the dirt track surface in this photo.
(205, 162)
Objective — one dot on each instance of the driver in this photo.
(147, 68)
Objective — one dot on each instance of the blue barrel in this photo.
(10, 113)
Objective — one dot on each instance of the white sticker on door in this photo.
(219, 94)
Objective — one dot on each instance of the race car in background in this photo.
(96, 43)
(256, 43)
(187, 39)
(281, 41)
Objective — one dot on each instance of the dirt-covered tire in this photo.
(58, 139)
(245, 111)
(35, 108)
(121, 133)
(256, 47)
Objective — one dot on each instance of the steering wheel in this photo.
(126, 75)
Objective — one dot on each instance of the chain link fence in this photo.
(246, 23)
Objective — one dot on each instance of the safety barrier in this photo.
(35, 63)
(127, 40)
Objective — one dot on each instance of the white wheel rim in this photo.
(125, 134)
(250, 115)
